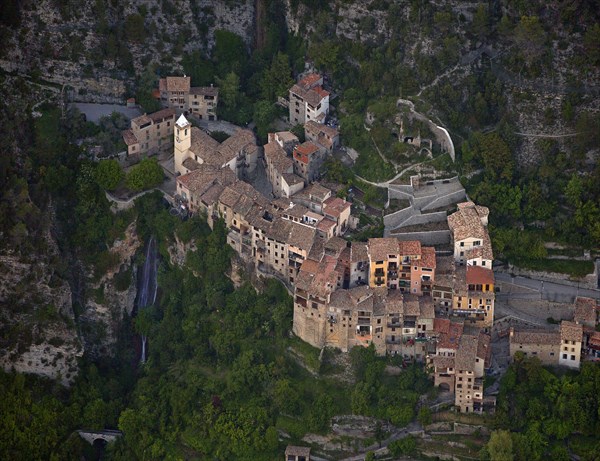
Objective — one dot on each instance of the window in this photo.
(572, 357)
(462, 244)
(565, 356)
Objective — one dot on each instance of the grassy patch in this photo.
(308, 353)
(573, 268)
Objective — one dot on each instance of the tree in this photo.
(530, 38)
(591, 42)
(500, 446)
(405, 446)
(277, 80)
(109, 174)
(424, 416)
(229, 90)
(146, 174)
(481, 21)
(134, 28)
(264, 114)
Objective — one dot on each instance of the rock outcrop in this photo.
(110, 297)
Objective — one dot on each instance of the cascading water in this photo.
(147, 287)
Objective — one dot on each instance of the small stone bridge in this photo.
(107, 435)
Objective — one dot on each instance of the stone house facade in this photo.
(308, 100)
(150, 133)
(178, 94)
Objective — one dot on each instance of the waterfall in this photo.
(147, 285)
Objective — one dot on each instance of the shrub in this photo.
(146, 174)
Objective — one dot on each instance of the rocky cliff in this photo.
(38, 333)
(97, 48)
(108, 299)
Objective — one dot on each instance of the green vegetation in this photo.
(109, 174)
(145, 175)
(541, 414)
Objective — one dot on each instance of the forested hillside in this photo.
(515, 82)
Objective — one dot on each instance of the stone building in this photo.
(401, 265)
(562, 347)
(473, 295)
(150, 133)
(280, 166)
(178, 94)
(321, 134)
(308, 100)
(470, 237)
(459, 362)
(308, 160)
(194, 147)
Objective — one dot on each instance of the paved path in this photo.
(94, 112)
(411, 428)
(219, 125)
(552, 291)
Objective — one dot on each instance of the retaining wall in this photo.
(426, 238)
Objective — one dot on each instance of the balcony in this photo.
(295, 256)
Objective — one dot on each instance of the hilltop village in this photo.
(399, 296)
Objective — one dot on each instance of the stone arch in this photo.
(444, 387)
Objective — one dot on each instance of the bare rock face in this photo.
(179, 250)
(81, 49)
(37, 323)
(110, 297)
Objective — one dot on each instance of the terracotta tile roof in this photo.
(190, 164)
(570, 331)
(129, 137)
(585, 311)
(315, 129)
(426, 309)
(178, 84)
(483, 251)
(450, 340)
(301, 236)
(203, 145)
(478, 275)
(466, 222)
(359, 252)
(459, 283)
(295, 211)
(304, 152)
(441, 362)
(293, 450)
(427, 258)
(335, 206)
(318, 278)
(410, 248)
(325, 225)
(335, 245)
(141, 120)
(595, 340)
(286, 136)
(212, 194)
(541, 337)
(205, 90)
(380, 248)
(309, 80)
(278, 158)
(161, 115)
(466, 353)
(412, 306)
(292, 179)
(240, 141)
(441, 325)
(201, 179)
(484, 350)
(314, 193)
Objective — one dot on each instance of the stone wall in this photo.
(428, 238)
